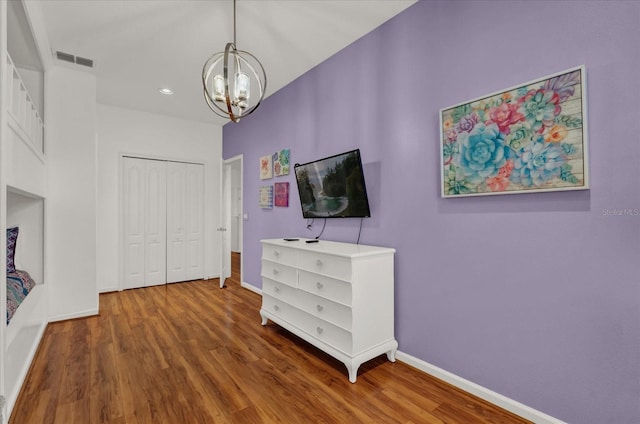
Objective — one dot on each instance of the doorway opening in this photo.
(233, 217)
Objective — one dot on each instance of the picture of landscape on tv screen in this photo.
(333, 187)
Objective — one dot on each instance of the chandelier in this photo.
(229, 77)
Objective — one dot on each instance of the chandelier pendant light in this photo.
(229, 77)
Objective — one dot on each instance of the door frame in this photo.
(226, 209)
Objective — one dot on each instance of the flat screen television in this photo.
(333, 187)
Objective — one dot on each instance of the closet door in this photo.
(156, 223)
(133, 222)
(195, 222)
(176, 222)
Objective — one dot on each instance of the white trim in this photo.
(81, 314)
(497, 399)
(251, 287)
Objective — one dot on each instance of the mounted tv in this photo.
(333, 187)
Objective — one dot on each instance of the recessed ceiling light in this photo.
(165, 91)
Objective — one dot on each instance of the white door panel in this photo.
(176, 222)
(133, 252)
(156, 219)
(195, 222)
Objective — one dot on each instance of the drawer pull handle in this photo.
(275, 272)
(276, 289)
(276, 308)
(319, 308)
(319, 262)
(319, 285)
(276, 253)
(319, 330)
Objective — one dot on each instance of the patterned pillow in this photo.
(12, 238)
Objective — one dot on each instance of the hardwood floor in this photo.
(194, 353)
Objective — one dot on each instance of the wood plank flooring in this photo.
(195, 353)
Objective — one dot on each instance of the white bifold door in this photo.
(162, 222)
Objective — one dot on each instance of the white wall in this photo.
(123, 131)
(70, 271)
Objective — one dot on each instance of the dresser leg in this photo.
(264, 318)
(391, 355)
(353, 371)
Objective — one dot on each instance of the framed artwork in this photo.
(281, 163)
(530, 138)
(281, 195)
(266, 167)
(266, 197)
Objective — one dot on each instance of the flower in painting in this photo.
(563, 85)
(455, 183)
(540, 108)
(482, 152)
(447, 124)
(501, 181)
(467, 123)
(520, 134)
(277, 168)
(505, 115)
(452, 135)
(556, 134)
(497, 183)
(537, 163)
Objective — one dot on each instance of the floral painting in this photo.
(266, 197)
(281, 194)
(529, 138)
(281, 163)
(266, 167)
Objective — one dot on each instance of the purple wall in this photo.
(534, 296)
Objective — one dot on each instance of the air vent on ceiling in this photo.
(66, 57)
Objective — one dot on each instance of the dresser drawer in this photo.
(330, 334)
(329, 265)
(279, 254)
(329, 288)
(279, 308)
(281, 273)
(325, 309)
(281, 291)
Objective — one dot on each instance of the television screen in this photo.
(333, 187)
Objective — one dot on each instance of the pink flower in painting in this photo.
(505, 115)
(497, 183)
(264, 164)
(452, 135)
(505, 171)
(277, 168)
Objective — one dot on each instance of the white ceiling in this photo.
(139, 46)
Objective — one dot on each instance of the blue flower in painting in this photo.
(482, 152)
(537, 162)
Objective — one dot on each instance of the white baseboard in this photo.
(81, 314)
(497, 399)
(251, 287)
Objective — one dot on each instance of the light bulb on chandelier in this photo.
(228, 77)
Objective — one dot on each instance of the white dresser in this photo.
(336, 296)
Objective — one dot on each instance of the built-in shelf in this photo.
(24, 118)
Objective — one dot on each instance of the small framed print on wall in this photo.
(266, 197)
(281, 194)
(266, 167)
(525, 139)
(281, 162)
